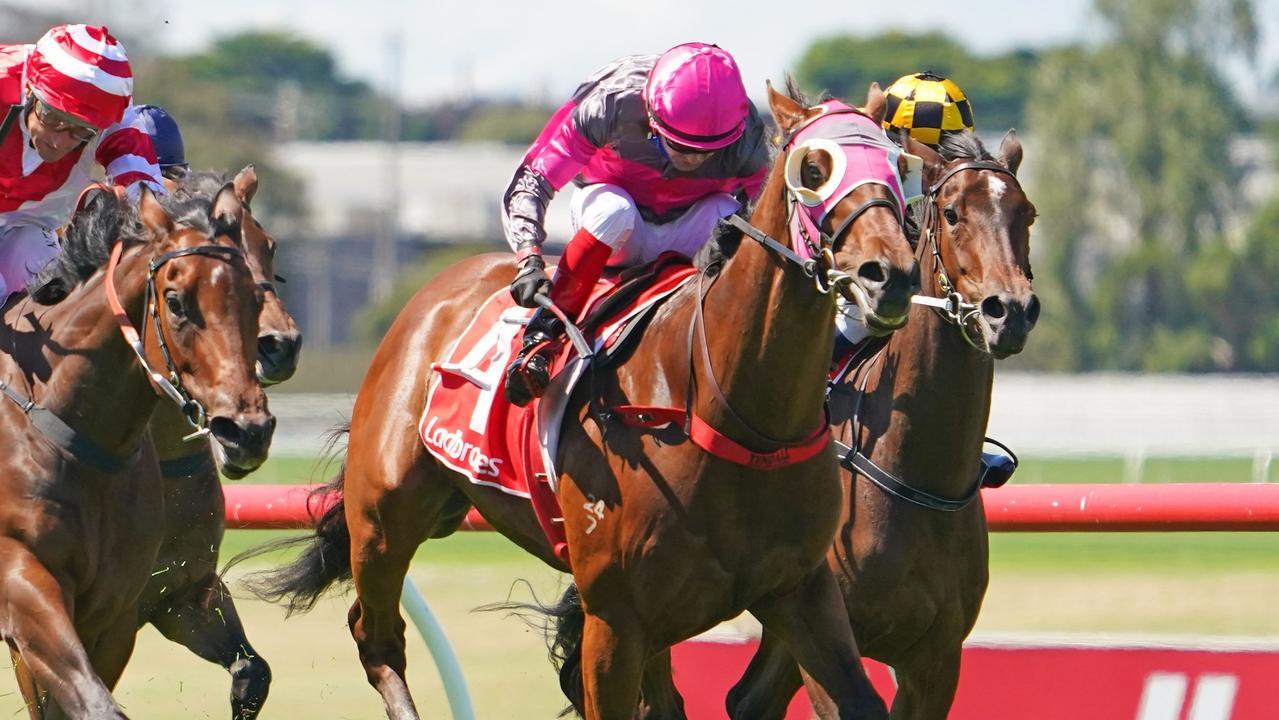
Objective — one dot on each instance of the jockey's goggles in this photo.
(667, 146)
(55, 120)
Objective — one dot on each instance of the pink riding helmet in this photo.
(695, 97)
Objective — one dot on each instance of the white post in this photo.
(1134, 465)
(441, 651)
(1261, 465)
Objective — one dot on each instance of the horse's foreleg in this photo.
(812, 621)
(659, 699)
(613, 659)
(35, 620)
(926, 686)
(770, 681)
(205, 621)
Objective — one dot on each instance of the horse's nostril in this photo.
(872, 272)
(993, 308)
(250, 432)
(225, 431)
(1032, 309)
(270, 343)
(915, 283)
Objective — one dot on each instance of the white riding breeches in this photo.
(609, 213)
(25, 250)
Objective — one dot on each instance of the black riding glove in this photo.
(530, 281)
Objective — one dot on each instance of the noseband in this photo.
(953, 307)
(171, 386)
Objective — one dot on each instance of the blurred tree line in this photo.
(997, 85)
(1146, 254)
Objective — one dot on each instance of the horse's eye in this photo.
(174, 304)
(951, 216)
(814, 176)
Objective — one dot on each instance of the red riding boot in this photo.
(579, 269)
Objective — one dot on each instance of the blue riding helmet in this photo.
(167, 139)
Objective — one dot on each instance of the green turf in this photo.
(1118, 553)
(1153, 470)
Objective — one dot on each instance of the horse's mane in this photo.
(794, 92)
(93, 231)
(962, 145)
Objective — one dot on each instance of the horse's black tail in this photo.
(562, 623)
(566, 645)
(325, 560)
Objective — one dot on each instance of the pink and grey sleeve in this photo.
(558, 154)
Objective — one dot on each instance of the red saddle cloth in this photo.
(470, 427)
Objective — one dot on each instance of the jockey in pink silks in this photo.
(660, 149)
(67, 107)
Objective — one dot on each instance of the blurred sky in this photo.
(542, 48)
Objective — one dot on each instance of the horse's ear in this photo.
(246, 183)
(1010, 151)
(227, 213)
(933, 162)
(788, 113)
(152, 216)
(876, 104)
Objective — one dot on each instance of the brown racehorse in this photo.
(914, 572)
(186, 599)
(682, 539)
(80, 486)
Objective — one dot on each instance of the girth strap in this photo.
(66, 438)
(856, 462)
(720, 445)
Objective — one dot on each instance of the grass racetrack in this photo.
(1194, 584)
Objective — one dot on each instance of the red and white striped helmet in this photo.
(82, 71)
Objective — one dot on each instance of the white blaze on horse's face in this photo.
(997, 189)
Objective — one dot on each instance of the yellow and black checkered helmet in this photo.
(927, 105)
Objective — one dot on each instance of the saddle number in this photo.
(485, 363)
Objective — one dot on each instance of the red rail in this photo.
(1018, 508)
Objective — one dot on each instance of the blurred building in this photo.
(409, 196)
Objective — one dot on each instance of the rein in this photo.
(705, 436)
(820, 266)
(953, 307)
(171, 386)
